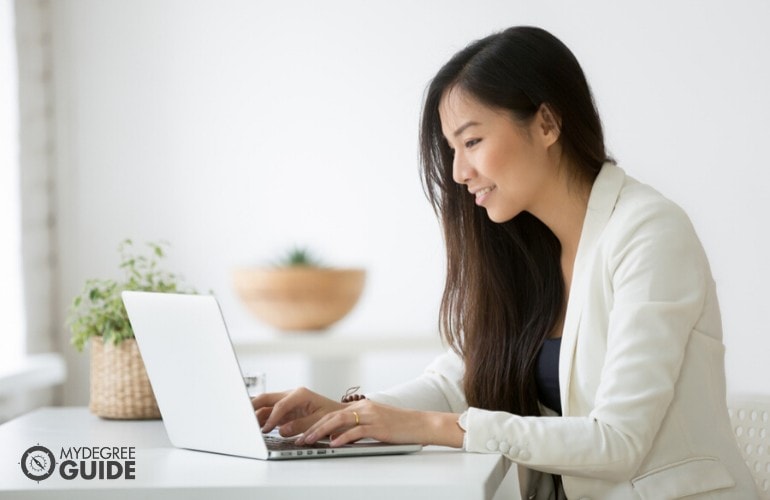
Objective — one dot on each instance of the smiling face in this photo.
(507, 166)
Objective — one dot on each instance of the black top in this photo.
(547, 374)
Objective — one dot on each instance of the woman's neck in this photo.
(562, 208)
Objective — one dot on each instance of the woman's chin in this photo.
(498, 216)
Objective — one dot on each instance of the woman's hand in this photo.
(367, 419)
(292, 411)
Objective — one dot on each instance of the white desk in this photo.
(168, 473)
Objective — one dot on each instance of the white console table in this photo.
(334, 357)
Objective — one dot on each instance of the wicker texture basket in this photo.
(120, 388)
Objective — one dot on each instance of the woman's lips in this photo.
(483, 194)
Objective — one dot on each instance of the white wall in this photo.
(235, 129)
(11, 344)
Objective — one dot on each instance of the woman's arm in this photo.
(424, 410)
(368, 419)
(439, 388)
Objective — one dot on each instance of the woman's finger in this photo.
(349, 436)
(296, 404)
(297, 425)
(281, 408)
(333, 423)
(263, 414)
(266, 399)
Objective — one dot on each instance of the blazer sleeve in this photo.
(439, 388)
(658, 280)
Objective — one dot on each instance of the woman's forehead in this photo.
(458, 107)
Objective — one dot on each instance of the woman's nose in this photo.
(462, 172)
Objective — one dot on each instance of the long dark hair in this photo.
(504, 291)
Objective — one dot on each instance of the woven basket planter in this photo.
(120, 388)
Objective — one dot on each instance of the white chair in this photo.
(750, 417)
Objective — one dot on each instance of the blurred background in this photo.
(237, 129)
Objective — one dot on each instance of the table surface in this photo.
(163, 471)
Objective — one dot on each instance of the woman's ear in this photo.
(549, 124)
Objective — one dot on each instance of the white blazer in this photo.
(641, 366)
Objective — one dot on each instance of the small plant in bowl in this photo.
(299, 257)
(119, 384)
(299, 293)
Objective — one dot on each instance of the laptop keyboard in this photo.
(278, 443)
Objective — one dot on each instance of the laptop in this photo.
(197, 382)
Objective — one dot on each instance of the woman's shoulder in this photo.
(639, 205)
(644, 220)
(650, 238)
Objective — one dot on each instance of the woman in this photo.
(579, 304)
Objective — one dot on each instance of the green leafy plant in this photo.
(98, 311)
(299, 257)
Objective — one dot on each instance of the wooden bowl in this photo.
(299, 298)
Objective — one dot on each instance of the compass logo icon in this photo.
(38, 463)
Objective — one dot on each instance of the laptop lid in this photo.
(194, 373)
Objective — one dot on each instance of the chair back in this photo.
(750, 417)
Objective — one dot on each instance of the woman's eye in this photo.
(472, 142)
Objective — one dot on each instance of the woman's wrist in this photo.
(443, 429)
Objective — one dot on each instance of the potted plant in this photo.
(119, 386)
(299, 292)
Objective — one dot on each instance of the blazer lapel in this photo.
(601, 203)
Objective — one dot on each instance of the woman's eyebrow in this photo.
(462, 128)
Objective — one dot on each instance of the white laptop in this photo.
(197, 381)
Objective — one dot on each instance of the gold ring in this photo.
(357, 419)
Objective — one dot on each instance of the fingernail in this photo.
(310, 438)
(300, 440)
